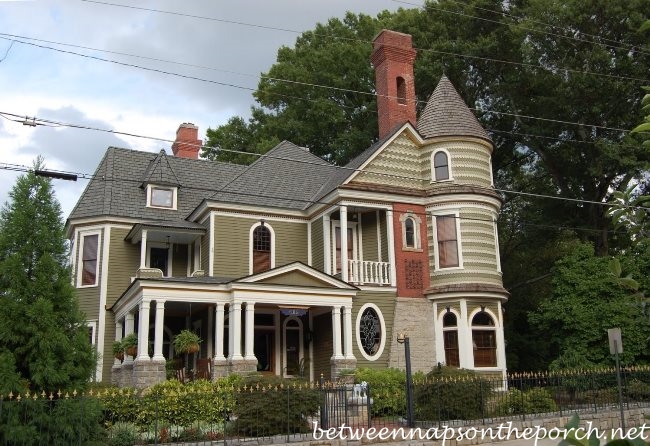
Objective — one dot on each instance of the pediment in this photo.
(297, 274)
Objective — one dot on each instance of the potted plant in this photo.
(118, 350)
(130, 344)
(186, 342)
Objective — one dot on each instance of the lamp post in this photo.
(403, 338)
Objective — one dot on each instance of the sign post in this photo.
(616, 347)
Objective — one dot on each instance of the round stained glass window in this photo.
(370, 331)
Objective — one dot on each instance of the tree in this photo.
(43, 339)
(586, 301)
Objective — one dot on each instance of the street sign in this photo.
(615, 341)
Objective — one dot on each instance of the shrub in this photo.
(638, 390)
(452, 394)
(123, 434)
(387, 389)
(516, 402)
(270, 406)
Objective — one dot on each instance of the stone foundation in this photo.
(147, 372)
(338, 365)
(220, 369)
(243, 366)
(126, 375)
(414, 317)
(116, 375)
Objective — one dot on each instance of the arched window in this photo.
(484, 340)
(440, 166)
(401, 91)
(409, 233)
(450, 337)
(262, 255)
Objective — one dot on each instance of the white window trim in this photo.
(93, 326)
(174, 196)
(250, 245)
(82, 239)
(459, 243)
(496, 244)
(355, 242)
(417, 222)
(382, 323)
(301, 352)
(169, 255)
(433, 168)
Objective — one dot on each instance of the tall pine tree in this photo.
(43, 339)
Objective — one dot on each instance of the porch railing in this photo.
(367, 272)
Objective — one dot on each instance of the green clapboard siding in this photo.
(179, 261)
(385, 301)
(123, 262)
(109, 339)
(369, 236)
(317, 254)
(232, 244)
(205, 253)
(323, 348)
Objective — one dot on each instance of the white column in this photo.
(378, 218)
(234, 339)
(336, 332)
(327, 249)
(218, 332)
(143, 249)
(129, 323)
(347, 332)
(210, 330)
(344, 243)
(250, 331)
(143, 331)
(391, 247)
(118, 338)
(465, 345)
(158, 331)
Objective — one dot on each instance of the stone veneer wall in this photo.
(415, 317)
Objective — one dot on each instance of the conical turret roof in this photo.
(446, 114)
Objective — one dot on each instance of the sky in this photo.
(41, 82)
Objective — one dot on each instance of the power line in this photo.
(520, 116)
(367, 41)
(349, 169)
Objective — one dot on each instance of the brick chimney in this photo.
(187, 144)
(393, 56)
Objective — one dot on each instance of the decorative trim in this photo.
(417, 222)
(459, 245)
(79, 272)
(450, 176)
(382, 323)
(103, 290)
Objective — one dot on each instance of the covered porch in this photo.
(292, 321)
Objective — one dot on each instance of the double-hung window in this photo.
(447, 240)
(88, 268)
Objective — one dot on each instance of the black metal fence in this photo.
(212, 413)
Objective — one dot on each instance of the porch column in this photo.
(210, 351)
(465, 345)
(391, 247)
(250, 331)
(118, 338)
(347, 332)
(143, 331)
(234, 340)
(129, 320)
(344, 243)
(327, 241)
(218, 332)
(336, 332)
(158, 331)
(143, 249)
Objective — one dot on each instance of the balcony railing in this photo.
(367, 272)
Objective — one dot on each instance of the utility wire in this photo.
(332, 166)
(299, 97)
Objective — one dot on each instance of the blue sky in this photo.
(62, 87)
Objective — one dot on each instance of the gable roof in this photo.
(446, 114)
(285, 171)
(160, 172)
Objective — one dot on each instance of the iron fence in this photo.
(211, 413)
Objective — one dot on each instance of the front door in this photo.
(263, 349)
(293, 347)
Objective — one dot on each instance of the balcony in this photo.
(367, 272)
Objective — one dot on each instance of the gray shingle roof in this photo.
(287, 177)
(117, 188)
(160, 171)
(446, 114)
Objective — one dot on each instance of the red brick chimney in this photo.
(187, 144)
(393, 58)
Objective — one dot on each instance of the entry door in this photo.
(158, 259)
(293, 347)
(263, 349)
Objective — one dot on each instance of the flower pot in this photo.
(132, 351)
(193, 348)
(119, 356)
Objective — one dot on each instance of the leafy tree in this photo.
(586, 301)
(43, 340)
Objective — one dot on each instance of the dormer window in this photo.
(161, 197)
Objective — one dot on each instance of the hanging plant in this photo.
(118, 350)
(130, 344)
(186, 342)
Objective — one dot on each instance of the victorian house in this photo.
(292, 266)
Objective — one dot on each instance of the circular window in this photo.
(371, 331)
